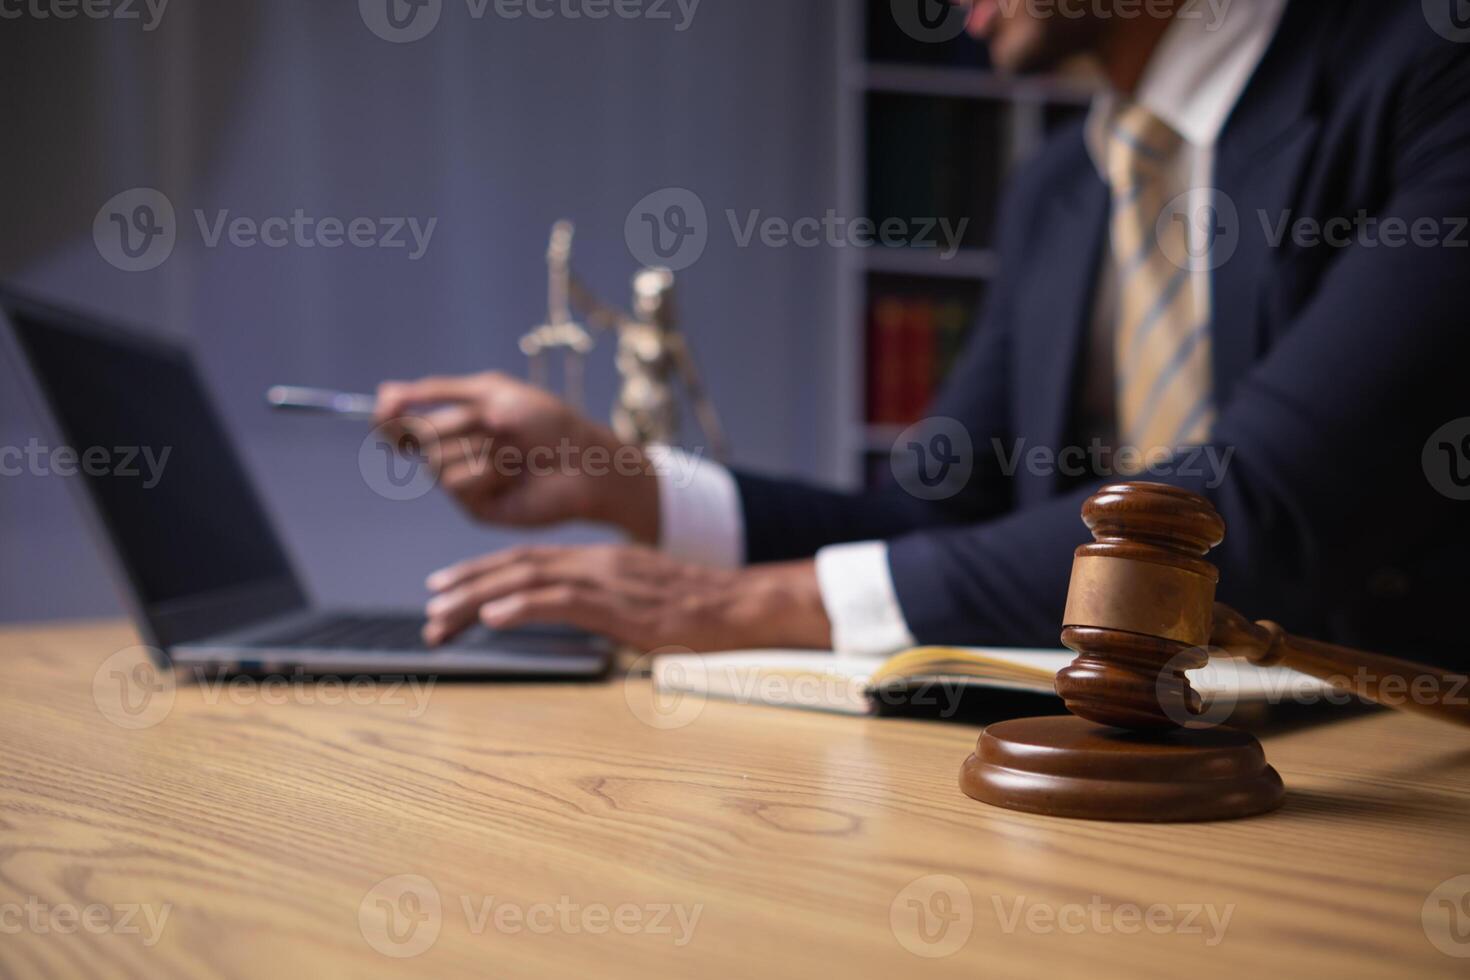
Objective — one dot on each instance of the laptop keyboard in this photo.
(350, 632)
(360, 631)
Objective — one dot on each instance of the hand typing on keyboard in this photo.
(635, 595)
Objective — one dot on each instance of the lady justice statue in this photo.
(652, 355)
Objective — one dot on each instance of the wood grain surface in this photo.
(507, 830)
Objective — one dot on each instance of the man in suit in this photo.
(1244, 272)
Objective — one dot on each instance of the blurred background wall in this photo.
(493, 126)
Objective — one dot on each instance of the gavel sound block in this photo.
(1140, 612)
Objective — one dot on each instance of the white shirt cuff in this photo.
(857, 591)
(700, 519)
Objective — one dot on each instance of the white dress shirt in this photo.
(1193, 81)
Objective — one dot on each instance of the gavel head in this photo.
(1140, 606)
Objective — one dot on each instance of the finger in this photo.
(396, 397)
(390, 401)
(469, 481)
(454, 575)
(454, 420)
(563, 603)
(464, 451)
(411, 434)
(425, 436)
(452, 611)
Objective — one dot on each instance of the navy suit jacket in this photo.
(1332, 366)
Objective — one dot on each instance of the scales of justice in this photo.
(652, 355)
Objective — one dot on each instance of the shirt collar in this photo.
(1197, 73)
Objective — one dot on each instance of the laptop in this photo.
(204, 571)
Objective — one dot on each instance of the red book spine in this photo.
(919, 358)
(885, 361)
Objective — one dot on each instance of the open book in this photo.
(863, 685)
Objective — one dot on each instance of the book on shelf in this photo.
(935, 164)
(914, 339)
(866, 685)
(951, 326)
(917, 358)
(885, 360)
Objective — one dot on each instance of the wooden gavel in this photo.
(1141, 610)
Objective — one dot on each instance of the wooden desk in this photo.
(264, 828)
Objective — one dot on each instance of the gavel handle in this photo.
(1383, 680)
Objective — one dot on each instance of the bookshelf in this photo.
(927, 132)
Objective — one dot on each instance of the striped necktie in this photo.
(1162, 343)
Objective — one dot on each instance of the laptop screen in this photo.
(163, 474)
